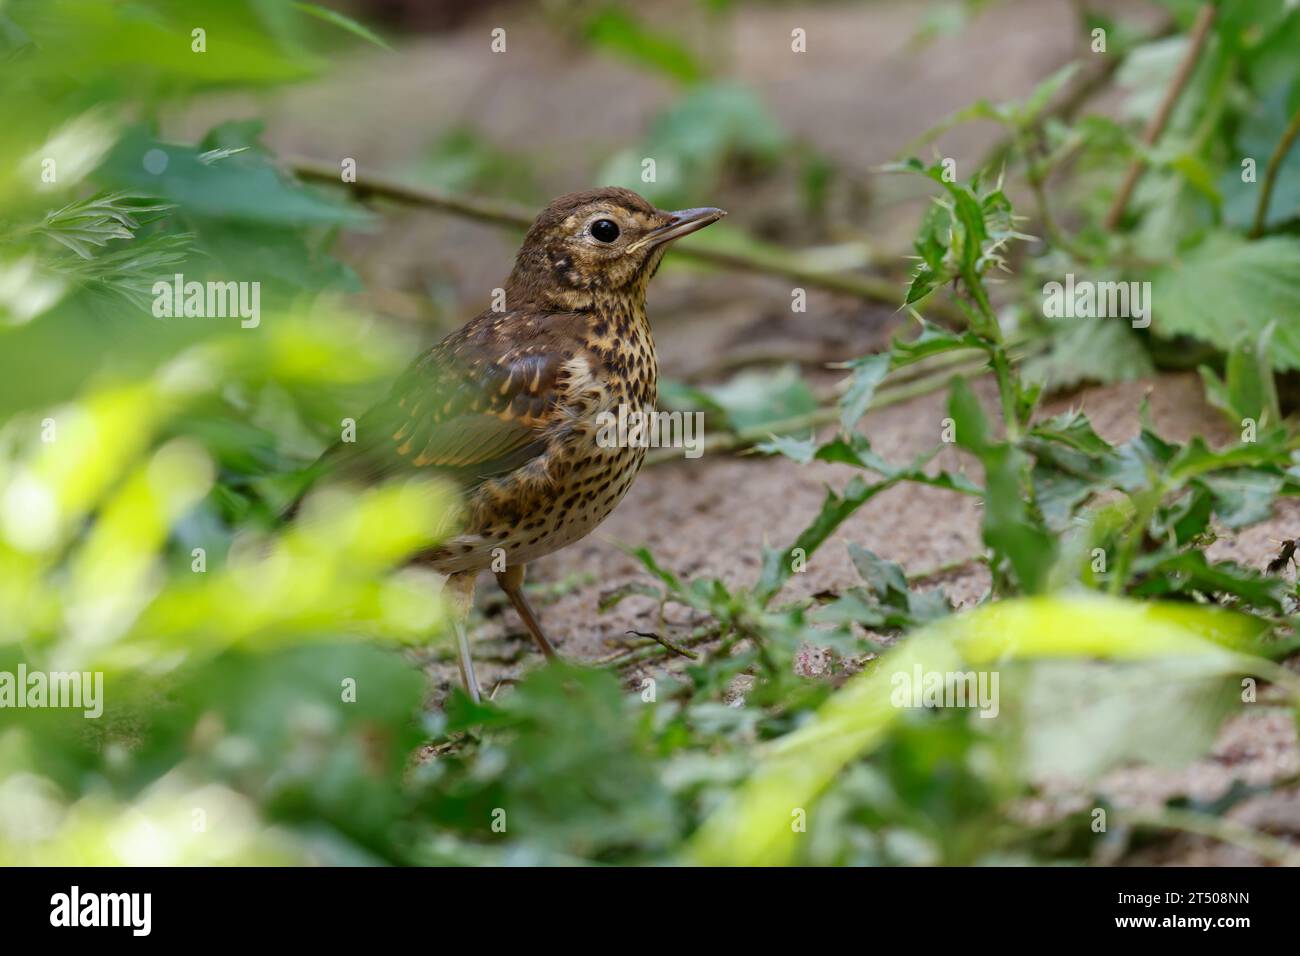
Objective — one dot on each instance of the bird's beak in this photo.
(683, 223)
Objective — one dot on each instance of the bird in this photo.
(508, 407)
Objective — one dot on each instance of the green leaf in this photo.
(1027, 112)
(670, 580)
(932, 341)
(867, 374)
(1101, 351)
(1058, 494)
(619, 32)
(1014, 535)
(94, 222)
(970, 425)
(800, 450)
(752, 827)
(1190, 571)
(343, 22)
(1257, 138)
(245, 187)
(1014, 113)
(1227, 286)
(146, 48)
(836, 508)
(1250, 391)
(1197, 458)
(756, 398)
(1072, 429)
(1082, 718)
(886, 580)
(1243, 496)
(1009, 529)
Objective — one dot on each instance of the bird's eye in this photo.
(604, 230)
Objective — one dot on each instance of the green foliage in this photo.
(462, 160)
(713, 128)
(748, 401)
(754, 828)
(1227, 287)
(253, 675)
(616, 30)
(266, 675)
(1249, 393)
(1064, 511)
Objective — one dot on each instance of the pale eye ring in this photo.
(604, 230)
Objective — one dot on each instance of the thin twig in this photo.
(1270, 177)
(627, 655)
(1087, 85)
(1156, 126)
(675, 648)
(507, 214)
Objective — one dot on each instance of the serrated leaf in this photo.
(1243, 496)
(1226, 286)
(868, 372)
(1074, 430)
(884, 579)
(800, 450)
(1189, 571)
(1101, 350)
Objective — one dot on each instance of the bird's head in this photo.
(600, 243)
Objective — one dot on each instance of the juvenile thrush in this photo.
(507, 406)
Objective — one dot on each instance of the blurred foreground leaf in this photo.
(754, 826)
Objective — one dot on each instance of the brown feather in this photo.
(478, 404)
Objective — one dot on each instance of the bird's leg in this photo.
(512, 582)
(459, 591)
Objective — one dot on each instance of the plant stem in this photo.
(1144, 506)
(506, 214)
(1008, 378)
(885, 396)
(1037, 181)
(1270, 176)
(1083, 89)
(1156, 126)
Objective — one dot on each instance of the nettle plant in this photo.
(1062, 506)
(1078, 531)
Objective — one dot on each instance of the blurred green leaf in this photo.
(753, 826)
(244, 186)
(1226, 286)
(616, 30)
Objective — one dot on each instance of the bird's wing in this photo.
(477, 404)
